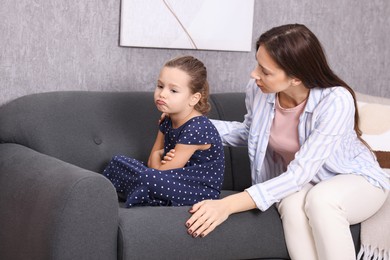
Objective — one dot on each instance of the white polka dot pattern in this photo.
(201, 178)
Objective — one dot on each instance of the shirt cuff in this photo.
(261, 197)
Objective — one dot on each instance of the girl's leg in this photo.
(333, 205)
(297, 231)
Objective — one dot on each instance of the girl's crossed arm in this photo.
(181, 153)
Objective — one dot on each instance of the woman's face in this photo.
(269, 77)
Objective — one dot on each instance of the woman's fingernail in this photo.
(190, 231)
(187, 224)
(202, 235)
(195, 234)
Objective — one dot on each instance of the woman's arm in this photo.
(232, 133)
(208, 214)
(235, 133)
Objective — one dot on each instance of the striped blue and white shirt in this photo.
(328, 144)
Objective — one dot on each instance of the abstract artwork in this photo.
(187, 24)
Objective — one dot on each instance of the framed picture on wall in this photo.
(187, 24)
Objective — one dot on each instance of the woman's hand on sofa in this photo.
(208, 214)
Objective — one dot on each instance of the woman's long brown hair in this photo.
(299, 53)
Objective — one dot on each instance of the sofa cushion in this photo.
(375, 125)
(248, 235)
(82, 128)
(87, 128)
(231, 107)
(261, 231)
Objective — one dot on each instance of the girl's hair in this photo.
(198, 82)
(298, 52)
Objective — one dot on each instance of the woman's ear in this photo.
(195, 99)
(296, 82)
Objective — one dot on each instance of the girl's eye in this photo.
(174, 91)
(159, 86)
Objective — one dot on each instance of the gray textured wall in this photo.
(73, 45)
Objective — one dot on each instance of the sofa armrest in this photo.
(54, 210)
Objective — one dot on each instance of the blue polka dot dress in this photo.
(201, 178)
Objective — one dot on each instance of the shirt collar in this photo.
(314, 97)
(313, 100)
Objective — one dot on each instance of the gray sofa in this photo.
(55, 204)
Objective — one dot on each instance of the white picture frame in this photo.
(187, 24)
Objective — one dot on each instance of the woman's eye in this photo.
(261, 70)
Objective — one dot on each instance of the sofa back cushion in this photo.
(231, 107)
(87, 128)
(82, 128)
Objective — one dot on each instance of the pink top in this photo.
(284, 131)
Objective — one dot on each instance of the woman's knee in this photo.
(292, 207)
(320, 203)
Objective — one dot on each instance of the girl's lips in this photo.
(160, 102)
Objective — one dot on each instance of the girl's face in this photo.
(173, 94)
(269, 77)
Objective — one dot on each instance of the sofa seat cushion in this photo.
(261, 231)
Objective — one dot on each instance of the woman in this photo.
(305, 149)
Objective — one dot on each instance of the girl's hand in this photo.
(162, 117)
(206, 216)
(169, 156)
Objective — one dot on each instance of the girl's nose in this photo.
(163, 93)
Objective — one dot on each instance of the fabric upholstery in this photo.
(47, 211)
(262, 233)
(375, 125)
(54, 203)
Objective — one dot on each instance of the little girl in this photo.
(186, 164)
